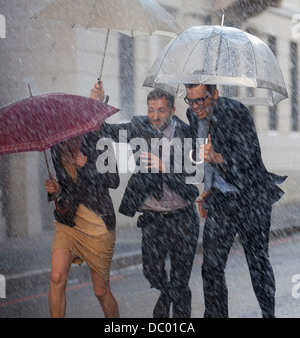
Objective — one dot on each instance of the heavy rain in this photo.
(163, 263)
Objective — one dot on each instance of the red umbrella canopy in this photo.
(40, 122)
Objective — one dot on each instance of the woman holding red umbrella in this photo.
(84, 221)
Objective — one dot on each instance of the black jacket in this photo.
(233, 135)
(91, 188)
(140, 184)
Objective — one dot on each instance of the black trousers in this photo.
(175, 234)
(250, 219)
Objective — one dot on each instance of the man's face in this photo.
(159, 113)
(199, 92)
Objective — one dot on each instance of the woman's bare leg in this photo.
(102, 291)
(60, 265)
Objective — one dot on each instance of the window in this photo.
(294, 87)
(273, 120)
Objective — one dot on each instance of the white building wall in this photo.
(281, 147)
(54, 57)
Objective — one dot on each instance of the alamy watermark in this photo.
(177, 161)
(296, 287)
(2, 27)
(2, 287)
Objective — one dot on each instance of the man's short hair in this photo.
(209, 87)
(158, 94)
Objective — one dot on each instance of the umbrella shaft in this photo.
(102, 64)
(47, 164)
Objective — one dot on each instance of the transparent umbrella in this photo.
(131, 17)
(223, 56)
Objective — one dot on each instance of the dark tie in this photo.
(157, 177)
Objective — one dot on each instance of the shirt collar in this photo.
(170, 130)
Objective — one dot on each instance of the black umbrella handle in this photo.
(107, 96)
(58, 208)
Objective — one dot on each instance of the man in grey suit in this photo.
(169, 220)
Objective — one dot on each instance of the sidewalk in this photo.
(26, 262)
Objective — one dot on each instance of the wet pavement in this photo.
(136, 299)
(26, 262)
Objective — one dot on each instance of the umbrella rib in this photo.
(146, 20)
(171, 44)
(229, 61)
(189, 57)
(91, 14)
(271, 91)
(206, 52)
(218, 53)
(251, 47)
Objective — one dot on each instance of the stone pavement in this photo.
(27, 261)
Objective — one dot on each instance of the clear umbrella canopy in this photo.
(130, 17)
(224, 56)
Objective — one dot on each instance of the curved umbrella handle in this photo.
(191, 153)
(58, 208)
(192, 160)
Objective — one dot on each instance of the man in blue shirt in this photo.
(237, 199)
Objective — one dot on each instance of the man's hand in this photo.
(97, 93)
(153, 161)
(208, 154)
(200, 201)
(81, 160)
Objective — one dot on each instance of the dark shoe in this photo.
(162, 307)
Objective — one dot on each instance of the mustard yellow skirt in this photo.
(89, 241)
